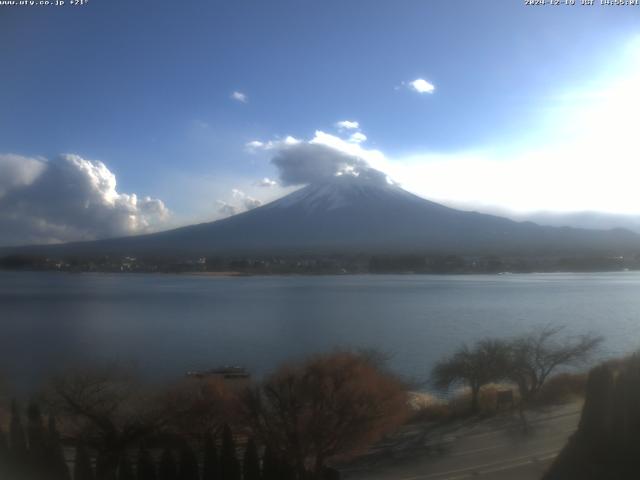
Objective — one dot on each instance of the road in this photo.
(496, 449)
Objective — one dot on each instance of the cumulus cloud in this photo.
(240, 97)
(226, 209)
(18, 171)
(256, 145)
(358, 137)
(420, 85)
(347, 125)
(266, 182)
(69, 198)
(250, 203)
(241, 202)
(237, 194)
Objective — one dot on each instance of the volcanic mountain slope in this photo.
(348, 214)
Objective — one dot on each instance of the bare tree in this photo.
(105, 407)
(474, 367)
(198, 407)
(331, 405)
(535, 356)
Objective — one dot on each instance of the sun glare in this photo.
(593, 165)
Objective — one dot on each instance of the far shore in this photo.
(232, 273)
(217, 274)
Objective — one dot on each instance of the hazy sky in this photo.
(483, 104)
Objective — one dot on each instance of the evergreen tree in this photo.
(18, 461)
(188, 464)
(82, 469)
(270, 466)
(56, 462)
(229, 466)
(17, 440)
(36, 440)
(167, 469)
(329, 473)
(4, 456)
(124, 468)
(106, 466)
(286, 470)
(146, 467)
(210, 463)
(251, 462)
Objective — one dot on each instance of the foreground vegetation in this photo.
(606, 445)
(104, 424)
(291, 426)
(527, 362)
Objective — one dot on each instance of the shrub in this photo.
(327, 407)
(562, 388)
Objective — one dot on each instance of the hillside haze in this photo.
(366, 213)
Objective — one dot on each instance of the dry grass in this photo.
(561, 388)
(428, 408)
(487, 400)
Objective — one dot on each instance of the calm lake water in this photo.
(168, 324)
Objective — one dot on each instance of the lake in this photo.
(168, 324)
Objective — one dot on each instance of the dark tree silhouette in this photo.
(125, 472)
(286, 471)
(82, 469)
(109, 406)
(106, 466)
(229, 465)
(17, 441)
(210, 463)
(188, 464)
(4, 455)
(146, 468)
(197, 406)
(270, 465)
(473, 367)
(605, 445)
(330, 474)
(251, 462)
(58, 467)
(167, 469)
(37, 441)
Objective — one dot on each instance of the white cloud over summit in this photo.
(325, 155)
(301, 162)
(68, 198)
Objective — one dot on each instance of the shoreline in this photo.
(236, 274)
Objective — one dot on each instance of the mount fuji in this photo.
(360, 214)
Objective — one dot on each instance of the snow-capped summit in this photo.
(342, 191)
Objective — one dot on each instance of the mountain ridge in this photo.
(350, 214)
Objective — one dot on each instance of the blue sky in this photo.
(146, 87)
